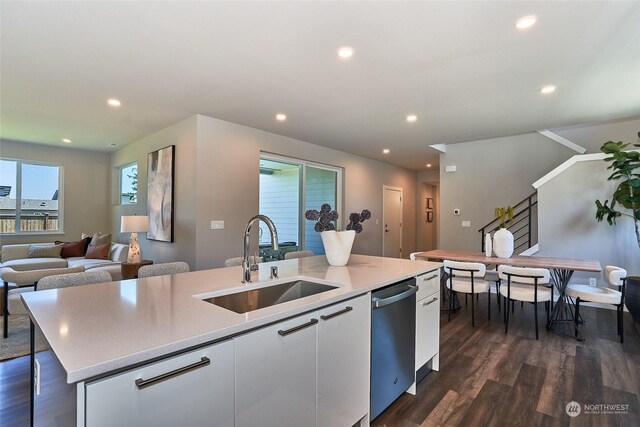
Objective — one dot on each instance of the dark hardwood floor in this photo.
(486, 377)
(489, 378)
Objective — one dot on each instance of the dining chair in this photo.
(163, 269)
(298, 254)
(526, 285)
(467, 278)
(234, 262)
(58, 281)
(615, 276)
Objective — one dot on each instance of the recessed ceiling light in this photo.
(112, 144)
(548, 89)
(428, 165)
(114, 102)
(386, 151)
(66, 140)
(412, 118)
(345, 52)
(281, 117)
(526, 22)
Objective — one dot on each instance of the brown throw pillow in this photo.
(74, 249)
(98, 251)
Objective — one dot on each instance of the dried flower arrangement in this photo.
(325, 217)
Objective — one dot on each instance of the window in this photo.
(30, 197)
(129, 184)
(289, 187)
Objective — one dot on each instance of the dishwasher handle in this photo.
(376, 302)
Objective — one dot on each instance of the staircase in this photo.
(523, 226)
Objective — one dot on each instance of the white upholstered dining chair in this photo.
(163, 269)
(467, 278)
(298, 254)
(525, 284)
(615, 276)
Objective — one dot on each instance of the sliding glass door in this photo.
(289, 187)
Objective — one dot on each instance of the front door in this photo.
(392, 221)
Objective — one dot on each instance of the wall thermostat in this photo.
(456, 211)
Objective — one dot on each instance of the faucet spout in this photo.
(246, 267)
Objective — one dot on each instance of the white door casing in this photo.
(392, 221)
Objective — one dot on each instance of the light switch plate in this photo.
(217, 225)
(466, 224)
(592, 281)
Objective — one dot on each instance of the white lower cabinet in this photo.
(276, 374)
(192, 389)
(343, 362)
(427, 322)
(306, 371)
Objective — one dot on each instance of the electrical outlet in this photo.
(217, 225)
(592, 281)
(466, 224)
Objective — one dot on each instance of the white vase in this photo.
(503, 243)
(337, 246)
(488, 247)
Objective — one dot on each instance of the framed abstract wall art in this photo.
(160, 177)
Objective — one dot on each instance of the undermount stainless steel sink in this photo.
(245, 301)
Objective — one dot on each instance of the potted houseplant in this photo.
(337, 244)
(503, 238)
(625, 202)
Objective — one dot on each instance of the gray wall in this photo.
(228, 185)
(428, 185)
(86, 188)
(593, 136)
(490, 173)
(567, 224)
(183, 136)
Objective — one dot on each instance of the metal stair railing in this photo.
(520, 226)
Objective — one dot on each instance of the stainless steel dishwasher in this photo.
(393, 343)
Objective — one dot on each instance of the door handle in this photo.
(297, 328)
(430, 302)
(140, 383)
(376, 302)
(337, 313)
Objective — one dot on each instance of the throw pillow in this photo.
(44, 251)
(100, 239)
(98, 251)
(73, 249)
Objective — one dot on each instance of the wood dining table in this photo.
(562, 318)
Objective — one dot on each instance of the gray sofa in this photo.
(17, 258)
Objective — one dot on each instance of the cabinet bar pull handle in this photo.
(337, 313)
(430, 277)
(429, 302)
(140, 383)
(297, 328)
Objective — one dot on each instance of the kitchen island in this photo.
(109, 337)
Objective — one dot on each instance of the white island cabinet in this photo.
(323, 356)
(193, 389)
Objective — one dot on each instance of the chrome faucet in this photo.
(246, 267)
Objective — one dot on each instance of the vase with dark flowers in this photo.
(337, 244)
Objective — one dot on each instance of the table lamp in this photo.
(134, 224)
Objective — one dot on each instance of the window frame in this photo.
(120, 169)
(19, 163)
(303, 188)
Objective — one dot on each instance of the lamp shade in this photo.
(134, 224)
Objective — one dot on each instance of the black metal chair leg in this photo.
(535, 313)
(577, 314)
(506, 323)
(621, 324)
(473, 313)
(466, 300)
(489, 304)
(5, 310)
(450, 304)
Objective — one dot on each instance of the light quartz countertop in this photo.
(97, 329)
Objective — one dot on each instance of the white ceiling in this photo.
(462, 67)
